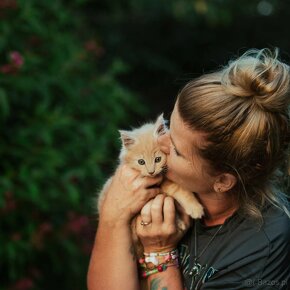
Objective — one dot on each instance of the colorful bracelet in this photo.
(154, 257)
(152, 263)
(159, 268)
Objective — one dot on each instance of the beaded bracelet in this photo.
(159, 268)
(151, 264)
(153, 257)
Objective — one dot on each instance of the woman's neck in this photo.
(218, 207)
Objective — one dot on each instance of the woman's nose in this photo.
(164, 142)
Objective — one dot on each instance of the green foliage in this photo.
(60, 108)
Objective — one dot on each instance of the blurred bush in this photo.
(60, 108)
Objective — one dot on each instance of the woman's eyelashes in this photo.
(175, 151)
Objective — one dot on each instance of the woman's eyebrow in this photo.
(176, 148)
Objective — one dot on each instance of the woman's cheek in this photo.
(173, 169)
(169, 160)
(169, 167)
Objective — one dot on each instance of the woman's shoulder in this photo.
(276, 224)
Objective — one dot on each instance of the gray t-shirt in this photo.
(242, 255)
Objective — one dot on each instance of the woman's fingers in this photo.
(169, 211)
(162, 233)
(127, 193)
(146, 212)
(151, 181)
(157, 209)
(132, 181)
(126, 175)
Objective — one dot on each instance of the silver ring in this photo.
(145, 223)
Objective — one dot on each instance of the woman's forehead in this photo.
(184, 134)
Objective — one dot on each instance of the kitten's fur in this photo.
(141, 144)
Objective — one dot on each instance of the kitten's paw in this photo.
(181, 225)
(196, 211)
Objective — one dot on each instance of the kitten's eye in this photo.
(141, 161)
(157, 159)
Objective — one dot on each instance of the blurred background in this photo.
(72, 72)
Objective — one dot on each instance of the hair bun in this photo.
(259, 75)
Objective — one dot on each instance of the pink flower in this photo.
(77, 224)
(16, 62)
(16, 59)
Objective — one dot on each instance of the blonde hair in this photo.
(244, 108)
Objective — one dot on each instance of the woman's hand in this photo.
(126, 195)
(160, 232)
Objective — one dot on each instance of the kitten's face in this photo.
(149, 162)
(141, 150)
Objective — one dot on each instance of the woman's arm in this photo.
(113, 264)
(169, 280)
(113, 259)
(109, 244)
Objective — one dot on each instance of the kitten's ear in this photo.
(160, 126)
(127, 138)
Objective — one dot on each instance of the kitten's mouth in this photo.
(164, 169)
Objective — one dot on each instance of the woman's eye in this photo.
(141, 161)
(175, 151)
(157, 159)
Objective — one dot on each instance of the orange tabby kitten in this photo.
(141, 151)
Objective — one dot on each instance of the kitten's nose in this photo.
(151, 172)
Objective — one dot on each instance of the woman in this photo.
(229, 132)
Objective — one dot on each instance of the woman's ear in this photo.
(225, 182)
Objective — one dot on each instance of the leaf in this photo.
(4, 105)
